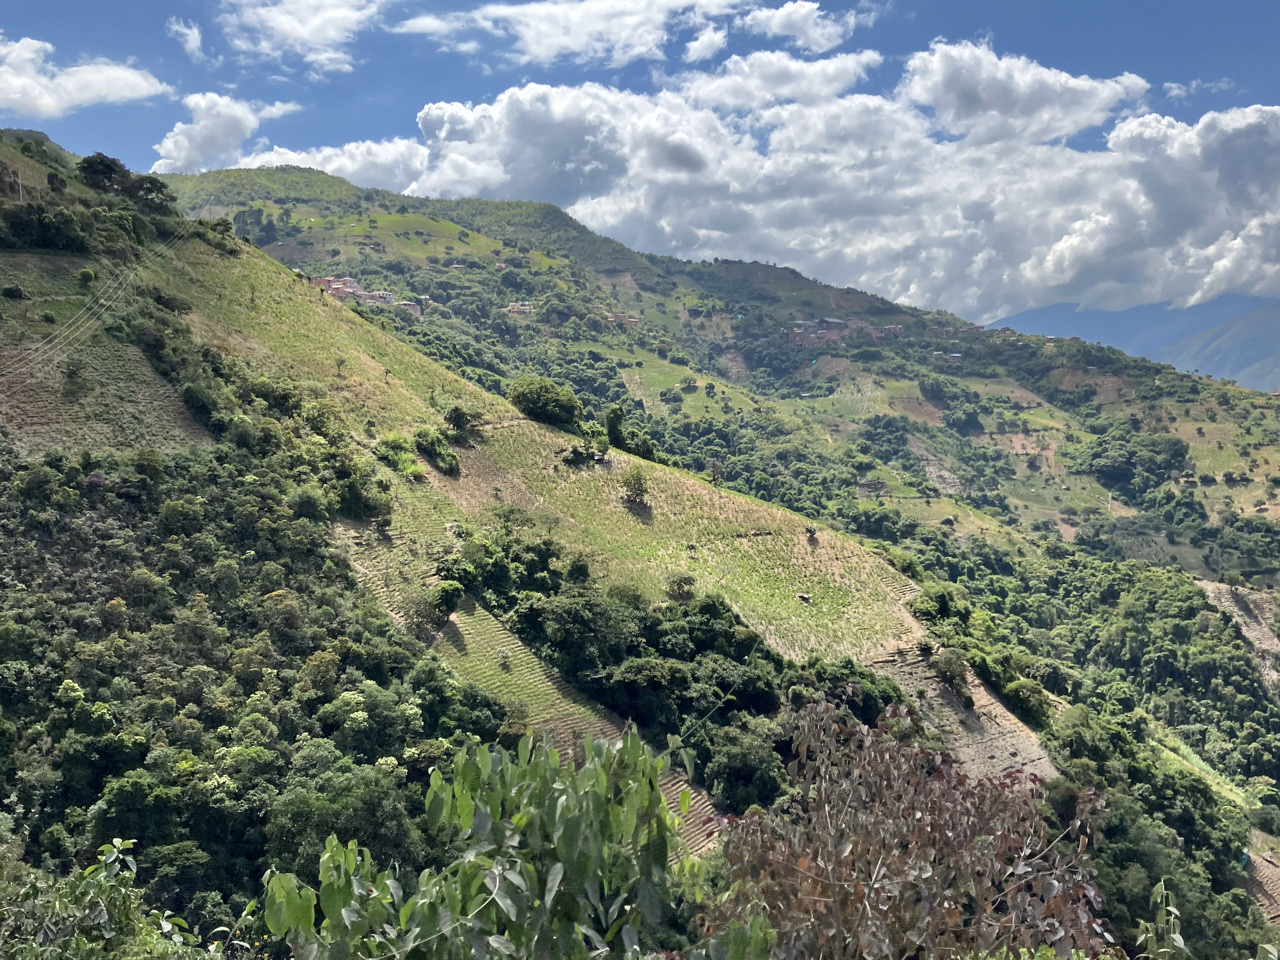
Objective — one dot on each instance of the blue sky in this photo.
(985, 157)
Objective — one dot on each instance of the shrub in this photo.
(920, 865)
(539, 398)
(952, 669)
(1028, 700)
(635, 485)
(436, 451)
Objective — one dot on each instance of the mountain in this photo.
(1223, 338)
(1245, 348)
(290, 560)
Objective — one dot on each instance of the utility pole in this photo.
(20, 186)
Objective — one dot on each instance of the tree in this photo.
(150, 193)
(613, 420)
(540, 398)
(104, 174)
(680, 586)
(562, 860)
(86, 277)
(888, 851)
(445, 597)
(97, 913)
(635, 485)
(459, 421)
(433, 606)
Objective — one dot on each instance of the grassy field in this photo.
(65, 383)
(758, 556)
(253, 307)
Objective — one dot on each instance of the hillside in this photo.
(1227, 338)
(1241, 349)
(279, 557)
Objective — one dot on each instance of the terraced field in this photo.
(480, 650)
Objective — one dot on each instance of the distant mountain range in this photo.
(1233, 337)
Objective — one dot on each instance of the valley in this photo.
(278, 560)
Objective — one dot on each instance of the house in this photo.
(954, 358)
(521, 308)
(341, 289)
(385, 297)
(412, 307)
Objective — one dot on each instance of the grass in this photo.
(72, 386)
(758, 556)
(251, 306)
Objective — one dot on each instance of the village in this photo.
(347, 288)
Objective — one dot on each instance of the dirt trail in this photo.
(1253, 612)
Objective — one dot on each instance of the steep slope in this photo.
(756, 554)
(1137, 330)
(1242, 348)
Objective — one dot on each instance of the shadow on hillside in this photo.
(451, 635)
(640, 510)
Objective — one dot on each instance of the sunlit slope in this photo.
(255, 308)
(760, 557)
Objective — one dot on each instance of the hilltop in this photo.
(282, 553)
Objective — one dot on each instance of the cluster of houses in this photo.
(347, 288)
(815, 333)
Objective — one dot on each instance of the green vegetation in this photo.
(284, 569)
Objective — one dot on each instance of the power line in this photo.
(91, 313)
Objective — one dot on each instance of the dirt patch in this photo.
(988, 740)
(1107, 389)
(934, 469)
(90, 392)
(1253, 612)
(920, 410)
(1263, 875)
(734, 367)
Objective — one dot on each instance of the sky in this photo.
(985, 157)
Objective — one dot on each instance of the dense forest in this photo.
(201, 682)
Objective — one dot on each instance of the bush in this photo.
(952, 669)
(1028, 700)
(540, 398)
(13, 292)
(436, 451)
(918, 866)
(433, 606)
(635, 485)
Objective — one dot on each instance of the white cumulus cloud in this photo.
(766, 76)
(804, 22)
(706, 44)
(219, 126)
(32, 86)
(543, 31)
(964, 187)
(989, 98)
(320, 32)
